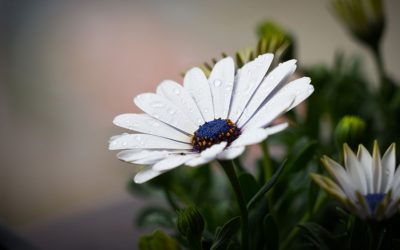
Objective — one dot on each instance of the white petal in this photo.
(302, 88)
(197, 85)
(355, 170)
(270, 85)
(160, 108)
(278, 105)
(388, 165)
(179, 96)
(396, 181)
(146, 174)
(231, 153)
(172, 162)
(132, 141)
(211, 152)
(131, 155)
(198, 161)
(277, 128)
(341, 177)
(366, 162)
(248, 79)
(146, 124)
(251, 136)
(221, 85)
(377, 168)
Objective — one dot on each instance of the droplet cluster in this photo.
(214, 132)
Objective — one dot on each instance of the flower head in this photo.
(207, 119)
(368, 185)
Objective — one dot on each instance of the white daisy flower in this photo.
(367, 186)
(207, 119)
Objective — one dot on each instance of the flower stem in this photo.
(229, 169)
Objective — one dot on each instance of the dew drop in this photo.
(124, 143)
(217, 83)
(205, 110)
(171, 111)
(177, 91)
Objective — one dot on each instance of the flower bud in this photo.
(190, 222)
(350, 129)
(363, 18)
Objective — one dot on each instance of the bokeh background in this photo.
(68, 67)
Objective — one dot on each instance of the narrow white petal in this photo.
(132, 141)
(146, 124)
(221, 84)
(302, 88)
(278, 105)
(366, 162)
(211, 152)
(248, 79)
(277, 128)
(270, 85)
(341, 176)
(396, 181)
(231, 153)
(355, 170)
(377, 168)
(162, 109)
(388, 166)
(198, 161)
(197, 85)
(172, 162)
(251, 136)
(146, 174)
(179, 96)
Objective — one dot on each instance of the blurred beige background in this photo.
(68, 67)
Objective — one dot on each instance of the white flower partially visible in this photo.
(207, 119)
(368, 186)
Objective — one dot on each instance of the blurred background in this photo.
(68, 67)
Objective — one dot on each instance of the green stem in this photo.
(170, 200)
(268, 173)
(294, 231)
(229, 169)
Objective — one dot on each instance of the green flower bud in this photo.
(350, 129)
(190, 223)
(363, 18)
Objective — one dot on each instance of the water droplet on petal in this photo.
(177, 91)
(206, 111)
(217, 83)
(171, 111)
(124, 143)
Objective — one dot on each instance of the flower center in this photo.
(373, 200)
(214, 132)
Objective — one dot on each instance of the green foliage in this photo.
(285, 209)
(158, 240)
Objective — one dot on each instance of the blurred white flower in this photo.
(207, 119)
(369, 186)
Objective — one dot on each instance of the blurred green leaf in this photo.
(158, 240)
(271, 232)
(266, 187)
(155, 217)
(249, 186)
(319, 236)
(226, 233)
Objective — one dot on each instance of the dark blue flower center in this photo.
(214, 132)
(373, 200)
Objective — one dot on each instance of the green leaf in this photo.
(304, 156)
(225, 234)
(319, 236)
(271, 233)
(155, 217)
(158, 240)
(249, 186)
(267, 186)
